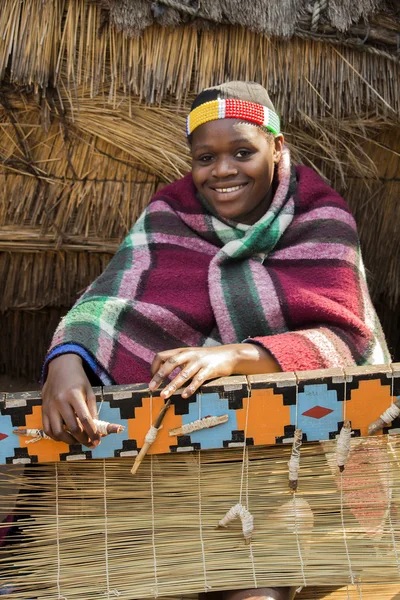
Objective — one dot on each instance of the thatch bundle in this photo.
(282, 19)
(92, 123)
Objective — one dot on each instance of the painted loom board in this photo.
(272, 405)
(320, 411)
(272, 397)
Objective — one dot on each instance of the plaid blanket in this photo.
(293, 282)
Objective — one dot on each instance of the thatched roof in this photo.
(92, 123)
(277, 18)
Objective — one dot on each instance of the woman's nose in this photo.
(224, 168)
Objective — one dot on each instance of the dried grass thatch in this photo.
(279, 18)
(58, 44)
(91, 124)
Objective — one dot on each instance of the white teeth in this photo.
(231, 189)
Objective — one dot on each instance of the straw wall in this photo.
(91, 124)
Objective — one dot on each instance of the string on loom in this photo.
(247, 504)
(207, 587)
(344, 395)
(153, 531)
(199, 395)
(59, 596)
(101, 425)
(101, 402)
(109, 592)
(239, 511)
(247, 477)
(303, 574)
(245, 470)
(341, 488)
(389, 513)
(244, 444)
(389, 487)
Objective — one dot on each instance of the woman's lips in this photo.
(228, 192)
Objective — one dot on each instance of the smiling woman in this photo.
(233, 168)
(234, 155)
(246, 265)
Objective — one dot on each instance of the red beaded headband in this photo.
(233, 109)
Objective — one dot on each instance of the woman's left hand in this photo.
(201, 364)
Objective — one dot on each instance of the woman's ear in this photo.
(278, 147)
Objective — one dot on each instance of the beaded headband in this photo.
(233, 109)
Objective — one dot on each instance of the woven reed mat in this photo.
(92, 530)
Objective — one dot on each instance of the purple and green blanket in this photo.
(293, 282)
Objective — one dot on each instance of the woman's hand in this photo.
(201, 364)
(68, 403)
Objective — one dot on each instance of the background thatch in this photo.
(92, 123)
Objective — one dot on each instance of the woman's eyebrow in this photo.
(232, 142)
(202, 147)
(241, 141)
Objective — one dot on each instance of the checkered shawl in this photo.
(293, 282)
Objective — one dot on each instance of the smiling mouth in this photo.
(229, 189)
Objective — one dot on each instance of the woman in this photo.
(246, 265)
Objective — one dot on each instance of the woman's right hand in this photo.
(68, 403)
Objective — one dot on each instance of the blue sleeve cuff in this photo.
(84, 354)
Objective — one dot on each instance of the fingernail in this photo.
(184, 395)
(152, 385)
(95, 443)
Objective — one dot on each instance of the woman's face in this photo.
(233, 168)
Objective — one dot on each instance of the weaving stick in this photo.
(103, 427)
(343, 445)
(294, 462)
(385, 419)
(204, 423)
(151, 436)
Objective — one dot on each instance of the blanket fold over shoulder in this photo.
(293, 282)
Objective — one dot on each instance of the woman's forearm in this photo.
(254, 359)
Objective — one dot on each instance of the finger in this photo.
(58, 432)
(161, 357)
(188, 372)
(168, 366)
(91, 403)
(85, 421)
(92, 407)
(46, 425)
(197, 381)
(74, 426)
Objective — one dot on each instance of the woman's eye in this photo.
(205, 158)
(243, 153)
